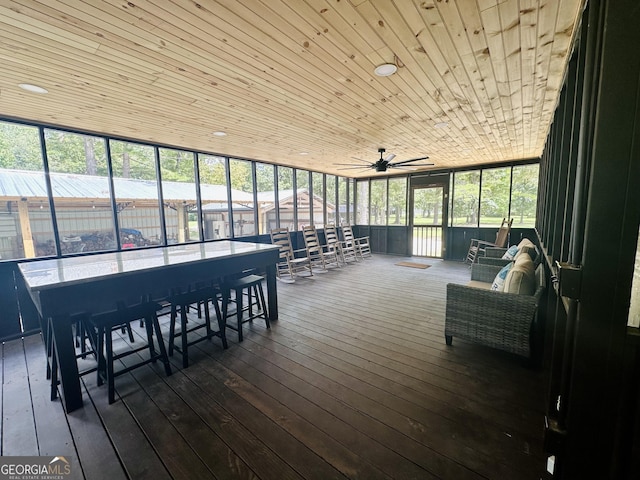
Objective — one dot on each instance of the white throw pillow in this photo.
(498, 282)
(525, 242)
(521, 279)
(511, 252)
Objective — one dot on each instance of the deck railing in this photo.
(427, 241)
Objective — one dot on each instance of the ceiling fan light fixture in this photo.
(385, 70)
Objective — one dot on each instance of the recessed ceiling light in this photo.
(304, 153)
(385, 69)
(441, 125)
(33, 88)
(220, 134)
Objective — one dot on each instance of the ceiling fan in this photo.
(385, 162)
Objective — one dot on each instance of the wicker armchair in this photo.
(496, 319)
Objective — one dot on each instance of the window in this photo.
(351, 202)
(524, 195)
(266, 198)
(286, 197)
(330, 202)
(494, 196)
(378, 206)
(303, 201)
(81, 192)
(633, 319)
(179, 195)
(318, 199)
(343, 202)
(136, 193)
(213, 192)
(26, 228)
(466, 190)
(242, 198)
(362, 199)
(397, 201)
(84, 210)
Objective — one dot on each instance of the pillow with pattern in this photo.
(511, 252)
(498, 282)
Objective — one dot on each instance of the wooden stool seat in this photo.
(106, 323)
(251, 285)
(180, 303)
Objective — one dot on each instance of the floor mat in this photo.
(413, 265)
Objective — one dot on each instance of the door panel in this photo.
(428, 221)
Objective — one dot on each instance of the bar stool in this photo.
(180, 303)
(106, 323)
(251, 286)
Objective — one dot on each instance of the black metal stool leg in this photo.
(161, 348)
(222, 326)
(183, 335)
(263, 305)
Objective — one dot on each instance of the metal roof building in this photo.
(17, 184)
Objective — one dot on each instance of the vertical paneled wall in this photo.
(588, 219)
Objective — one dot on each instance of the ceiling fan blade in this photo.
(352, 165)
(410, 167)
(363, 167)
(360, 160)
(409, 161)
(414, 165)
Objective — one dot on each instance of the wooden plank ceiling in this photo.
(291, 81)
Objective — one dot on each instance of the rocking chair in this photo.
(477, 247)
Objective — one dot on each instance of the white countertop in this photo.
(43, 274)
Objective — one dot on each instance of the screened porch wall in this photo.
(102, 212)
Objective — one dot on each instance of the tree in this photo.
(212, 170)
(241, 175)
(133, 160)
(264, 177)
(285, 178)
(524, 192)
(74, 153)
(398, 199)
(495, 194)
(177, 165)
(19, 147)
(465, 200)
(378, 201)
(90, 156)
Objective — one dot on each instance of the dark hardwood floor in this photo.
(353, 381)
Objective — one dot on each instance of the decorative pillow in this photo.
(511, 252)
(521, 279)
(525, 242)
(498, 282)
(527, 250)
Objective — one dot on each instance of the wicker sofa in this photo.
(496, 319)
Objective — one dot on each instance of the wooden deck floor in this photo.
(353, 381)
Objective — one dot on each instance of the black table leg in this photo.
(66, 359)
(272, 293)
